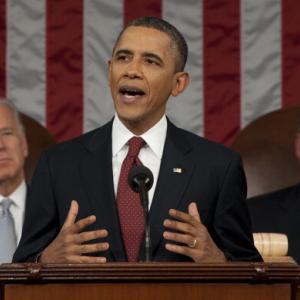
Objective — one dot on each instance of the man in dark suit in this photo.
(198, 210)
(279, 212)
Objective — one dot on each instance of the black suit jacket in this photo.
(81, 169)
(279, 212)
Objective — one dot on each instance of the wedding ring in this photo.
(193, 245)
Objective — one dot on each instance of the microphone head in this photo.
(137, 176)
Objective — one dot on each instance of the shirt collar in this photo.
(155, 137)
(18, 195)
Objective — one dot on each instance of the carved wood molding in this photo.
(151, 272)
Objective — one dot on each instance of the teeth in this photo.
(131, 92)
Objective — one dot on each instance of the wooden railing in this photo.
(149, 281)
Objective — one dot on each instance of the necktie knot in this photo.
(135, 145)
(6, 203)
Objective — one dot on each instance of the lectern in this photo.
(167, 281)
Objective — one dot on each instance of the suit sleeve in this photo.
(232, 224)
(41, 224)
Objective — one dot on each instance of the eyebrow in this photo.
(5, 128)
(152, 55)
(123, 51)
(145, 54)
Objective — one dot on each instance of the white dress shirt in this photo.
(150, 155)
(17, 208)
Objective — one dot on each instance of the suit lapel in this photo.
(175, 173)
(97, 178)
(96, 170)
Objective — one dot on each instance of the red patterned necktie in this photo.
(130, 210)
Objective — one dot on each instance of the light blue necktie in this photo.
(8, 241)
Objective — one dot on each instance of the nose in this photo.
(134, 70)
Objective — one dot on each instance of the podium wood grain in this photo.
(149, 281)
(132, 291)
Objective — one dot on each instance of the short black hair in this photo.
(177, 39)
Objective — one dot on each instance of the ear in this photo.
(24, 145)
(181, 81)
(297, 146)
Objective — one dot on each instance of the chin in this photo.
(130, 115)
(5, 176)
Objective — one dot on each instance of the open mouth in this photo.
(131, 91)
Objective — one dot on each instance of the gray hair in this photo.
(10, 105)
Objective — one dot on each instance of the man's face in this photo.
(13, 147)
(142, 76)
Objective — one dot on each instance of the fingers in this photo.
(91, 235)
(70, 224)
(180, 226)
(92, 248)
(186, 239)
(192, 217)
(181, 250)
(86, 259)
(186, 228)
(185, 222)
(193, 211)
(193, 237)
(188, 225)
(72, 214)
(81, 224)
(78, 242)
(71, 242)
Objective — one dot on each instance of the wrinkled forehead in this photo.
(133, 36)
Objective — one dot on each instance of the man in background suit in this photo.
(13, 151)
(198, 210)
(279, 212)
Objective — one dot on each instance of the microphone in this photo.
(140, 180)
(138, 176)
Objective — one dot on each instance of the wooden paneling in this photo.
(145, 281)
(146, 291)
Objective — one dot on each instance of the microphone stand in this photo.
(140, 179)
(145, 202)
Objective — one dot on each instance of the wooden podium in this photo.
(167, 281)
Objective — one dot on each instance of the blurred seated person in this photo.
(13, 189)
(279, 212)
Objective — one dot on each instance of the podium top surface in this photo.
(150, 272)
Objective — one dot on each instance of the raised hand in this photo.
(70, 244)
(188, 230)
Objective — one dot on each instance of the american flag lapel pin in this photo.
(178, 170)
